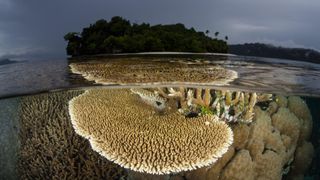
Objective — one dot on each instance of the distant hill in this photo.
(6, 61)
(266, 50)
(120, 36)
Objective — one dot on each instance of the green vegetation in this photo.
(206, 111)
(120, 36)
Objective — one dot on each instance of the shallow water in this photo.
(255, 74)
(165, 127)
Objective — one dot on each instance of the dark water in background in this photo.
(255, 75)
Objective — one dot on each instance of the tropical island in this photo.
(120, 36)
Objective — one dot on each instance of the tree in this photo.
(74, 43)
(216, 34)
(119, 35)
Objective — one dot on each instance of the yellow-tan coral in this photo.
(273, 146)
(128, 132)
(137, 71)
(49, 147)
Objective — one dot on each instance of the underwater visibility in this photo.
(162, 116)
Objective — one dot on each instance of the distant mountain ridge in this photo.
(7, 61)
(266, 50)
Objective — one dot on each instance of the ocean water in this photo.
(160, 116)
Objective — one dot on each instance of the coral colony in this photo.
(223, 105)
(148, 132)
(139, 139)
(152, 131)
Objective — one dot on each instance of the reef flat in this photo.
(134, 71)
(50, 149)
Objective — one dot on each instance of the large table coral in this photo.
(127, 131)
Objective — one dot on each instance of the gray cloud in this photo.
(36, 27)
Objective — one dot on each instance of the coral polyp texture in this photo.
(274, 146)
(151, 71)
(130, 133)
(49, 147)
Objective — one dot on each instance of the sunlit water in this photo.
(39, 139)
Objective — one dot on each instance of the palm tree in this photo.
(216, 34)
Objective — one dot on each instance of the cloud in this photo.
(35, 25)
(248, 27)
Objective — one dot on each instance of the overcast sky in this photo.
(35, 28)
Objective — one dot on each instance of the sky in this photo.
(35, 28)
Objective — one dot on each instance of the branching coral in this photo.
(224, 105)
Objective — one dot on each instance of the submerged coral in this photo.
(273, 146)
(138, 71)
(224, 105)
(128, 132)
(50, 149)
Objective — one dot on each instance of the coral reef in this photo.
(151, 71)
(274, 146)
(230, 106)
(129, 132)
(50, 149)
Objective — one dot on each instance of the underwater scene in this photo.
(172, 116)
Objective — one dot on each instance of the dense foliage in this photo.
(265, 50)
(120, 36)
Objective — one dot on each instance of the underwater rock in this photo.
(140, 140)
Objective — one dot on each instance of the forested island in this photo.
(121, 36)
(266, 50)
